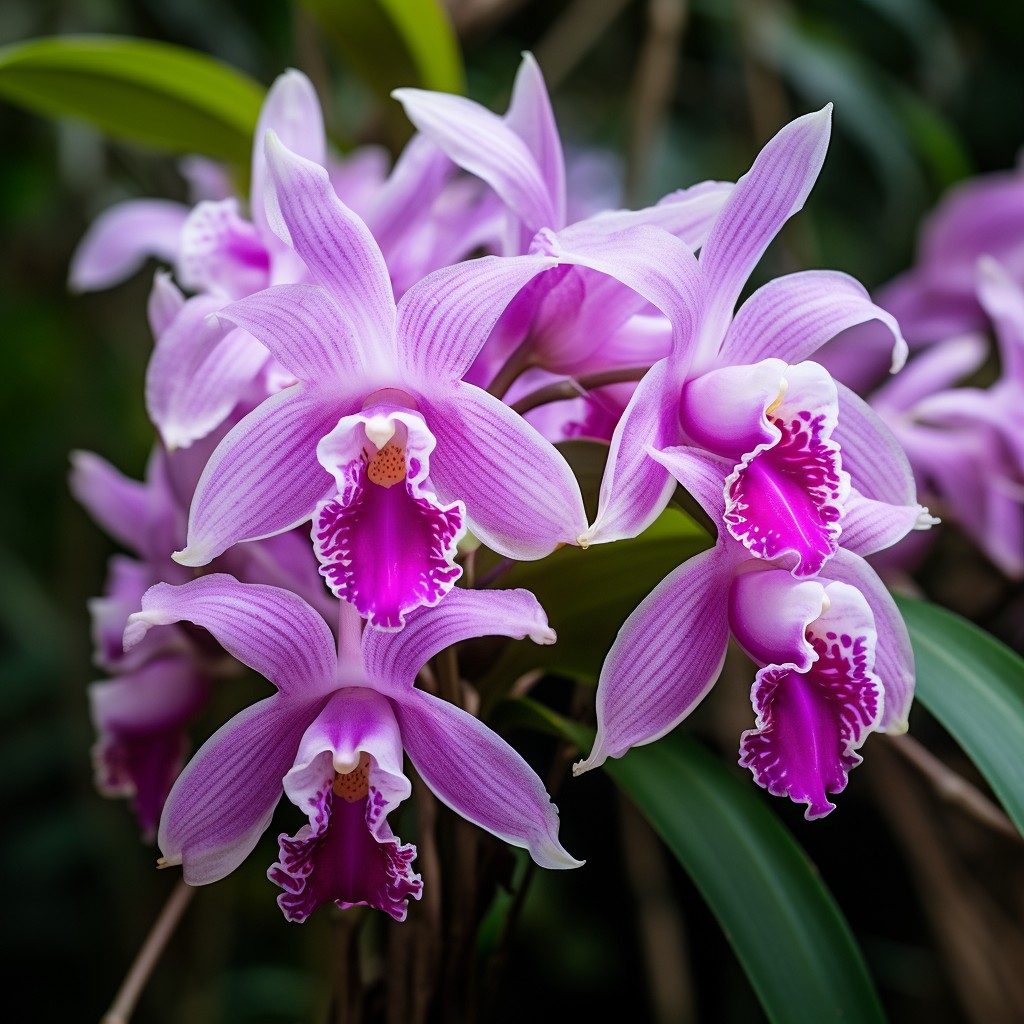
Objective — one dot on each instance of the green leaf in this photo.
(974, 686)
(787, 932)
(390, 43)
(137, 89)
(588, 595)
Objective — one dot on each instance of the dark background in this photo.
(926, 93)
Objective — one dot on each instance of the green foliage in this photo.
(391, 43)
(139, 90)
(974, 686)
(790, 937)
(588, 595)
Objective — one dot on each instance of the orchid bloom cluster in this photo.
(336, 400)
(960, 428)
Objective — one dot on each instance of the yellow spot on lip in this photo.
(387, 467)
(783, 387)
(354, 785)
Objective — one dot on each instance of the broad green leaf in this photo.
(391, 43)
(787, 932)
(137, 89)
(974, 686)
(588, 595)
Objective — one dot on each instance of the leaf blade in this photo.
(783, 924)
(139, 90)
(974, 686)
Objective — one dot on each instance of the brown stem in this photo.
(146, 959)
(954, 788)
(661, 926)
(575, 32)
(348, 982)
(652, 87)
(576, 387)
(517, 363)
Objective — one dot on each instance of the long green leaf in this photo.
(137, 89)
(787, 932)
(974, 686)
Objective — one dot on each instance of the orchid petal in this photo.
(291, 110)
(894, 657)
(687, 213)
(478, 775)
(530, 116)
(791, 317)
(769, 613)
(392, 661)
(1003, 300)
(224, 799)
(264, 477)
(483, 144)
(198, 373)
(521, 497)
(271, 630)
(635, 488)
(810, 723)
(774, 188)
(934, 369)
(221, 253)
(870, 526)
(118, 504)
(120, 240)
(725, 409)
(875, 460)
(702, 475)
(665, 659)
(305, 331)
(444, 320)
(656, 265)
(165, 302)
(141, 718)
(336, 246)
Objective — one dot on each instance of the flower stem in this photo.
(576, 387)
(517, 363)
(123, 1006)
(954, 788)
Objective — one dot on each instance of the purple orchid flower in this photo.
(332, 738)
(142, 714)
(380, 441)
(964, 443)
(809, 459)
(938, 298)
(834, 655)
(584, 318)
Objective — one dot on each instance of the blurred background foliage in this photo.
(927, 92)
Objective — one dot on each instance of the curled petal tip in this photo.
(192, 556)
(543, 635)
(581, 767)
(551, 854)
(925, 520)
(897, 727)
(584, 539)
(167, 862)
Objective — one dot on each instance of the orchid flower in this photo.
(834, 656)
(142, 714)
(332, 737)
(584, 318)
(380, 441)
(808, 458)
(938, 298)
(964, 443)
